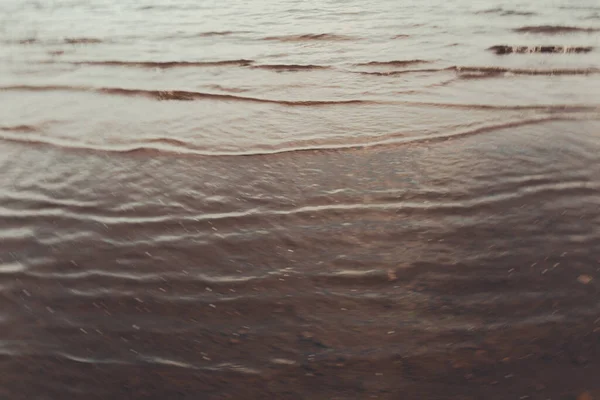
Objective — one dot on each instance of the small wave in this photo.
(181, 148)
(290, 67)
(495, 10)
(356, 277)
(88, 360)
(518, 13)
(165, 7)
(216, 33)
(18, 128)
(482, 72)
(554, 29)
(168, 362)
(404, 71)
(506, 13)
(11, 268)
(400, 36)
(28, 41)
(504, 49)
(166, 64)
(199, 279)
(187, 96)
(492, 71)
(82, 40)
(170, 7)
(479, 75)
(309, 37)
(234, 368)
(206, 34)
(393, 63)
(369, 275)
(182, 95)
(583, 8)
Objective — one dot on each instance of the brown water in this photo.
(299, 200)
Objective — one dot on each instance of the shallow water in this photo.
(299, 200)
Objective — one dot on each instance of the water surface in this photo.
(299, 200)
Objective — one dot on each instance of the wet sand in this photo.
(371, 272)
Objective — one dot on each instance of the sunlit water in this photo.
(299, 200)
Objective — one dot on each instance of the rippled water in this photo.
(299, 200)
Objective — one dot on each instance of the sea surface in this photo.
(281, 199)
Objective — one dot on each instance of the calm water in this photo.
(299, 200)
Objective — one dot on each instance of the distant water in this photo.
(299, 200)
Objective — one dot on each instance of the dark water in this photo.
(299, 200)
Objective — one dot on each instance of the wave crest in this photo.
(182, 95)
(309, 37)
(165, 64)
(504, 49)
(290, 67)
(393, 63)
(554, 29)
